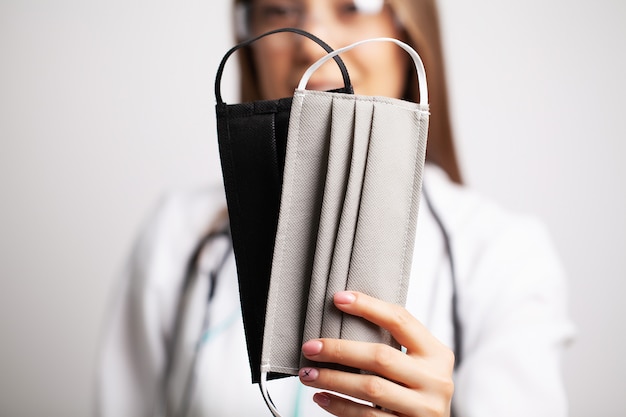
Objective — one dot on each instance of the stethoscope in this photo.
(192, 271)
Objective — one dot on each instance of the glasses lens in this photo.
(369, 6)
(265, 15)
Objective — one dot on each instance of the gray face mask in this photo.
(348, 212)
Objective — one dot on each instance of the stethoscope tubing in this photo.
(213, 276)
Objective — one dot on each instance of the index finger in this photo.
(405, 329)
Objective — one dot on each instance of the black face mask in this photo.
(252, 141)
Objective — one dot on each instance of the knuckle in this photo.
(436, 409)
(444, 386)
(336, 350)
(400, 319)
(447, 388)
(447, 358)
(383, 357)
(329, 379)
(440, 404)
(373, 388)
(369, 412)
(340, 407)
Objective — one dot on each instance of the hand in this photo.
(418, 383)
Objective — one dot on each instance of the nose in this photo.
(328, 76)
(320, 23)
(307, 50)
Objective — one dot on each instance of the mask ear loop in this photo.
(266, 395)
(419, 65)
(220, 70)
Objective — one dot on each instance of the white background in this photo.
(105, 105)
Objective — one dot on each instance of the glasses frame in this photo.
(243, 10)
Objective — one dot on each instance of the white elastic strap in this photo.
(419, 65)
(266, 395)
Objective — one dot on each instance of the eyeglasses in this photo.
(260, 16)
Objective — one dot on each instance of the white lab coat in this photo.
(511, 302)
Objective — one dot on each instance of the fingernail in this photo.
(309, 374)
(322, 400)
(312, 347)
(344, 297)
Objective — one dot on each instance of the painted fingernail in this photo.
(321, 399)
(312, 347)
(309, 374)
(344, 297)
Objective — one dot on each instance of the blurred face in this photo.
(378, 68)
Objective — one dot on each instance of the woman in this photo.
(502, 311)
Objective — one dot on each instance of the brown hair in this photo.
(420, 20)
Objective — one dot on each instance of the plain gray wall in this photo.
(106, 105)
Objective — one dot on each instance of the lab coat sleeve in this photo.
(132, 356)
(133, 351)
(512, 305)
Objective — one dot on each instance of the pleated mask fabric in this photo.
(348, 213)
(252, 140)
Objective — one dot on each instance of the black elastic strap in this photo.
(218, 79)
